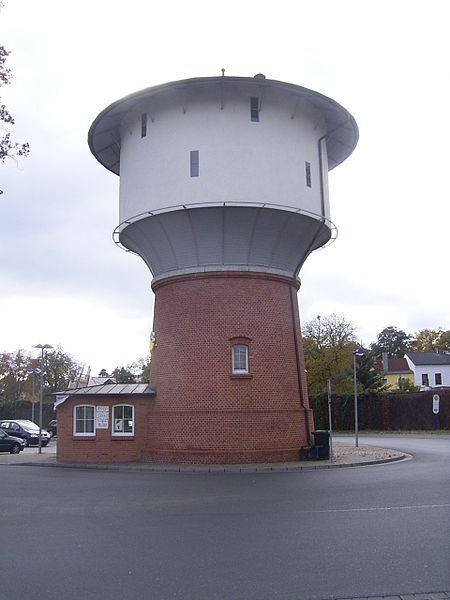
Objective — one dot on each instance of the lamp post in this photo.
(35, 372)
(357, 352)
(42, 348)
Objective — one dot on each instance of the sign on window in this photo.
(102, 417)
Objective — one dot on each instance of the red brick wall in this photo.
(204, 414)
(103, 447)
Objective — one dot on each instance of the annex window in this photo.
(143, 125)
(308, 174)
(123, 419)
(240, 358)
(425, 379)
(254, 109)
(195, 163)
(438, 378)
(84, 423)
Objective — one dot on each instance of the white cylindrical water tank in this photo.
(223, 173)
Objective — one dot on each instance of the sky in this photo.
(62, 279)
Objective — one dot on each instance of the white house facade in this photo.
(430, 369)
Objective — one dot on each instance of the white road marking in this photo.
(378, 508)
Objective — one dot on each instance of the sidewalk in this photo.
(345, 455)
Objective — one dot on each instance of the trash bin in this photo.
(322, 442)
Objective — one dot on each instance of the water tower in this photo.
(224, 194)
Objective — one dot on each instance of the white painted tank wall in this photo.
(240, 160)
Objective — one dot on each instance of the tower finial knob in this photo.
(223, 72)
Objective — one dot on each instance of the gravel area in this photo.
(345, 453)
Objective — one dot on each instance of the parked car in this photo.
(11, 444)
(51, 428)
(27, 430)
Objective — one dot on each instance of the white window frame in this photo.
(83, 433)
(234, 359)
(122, 433)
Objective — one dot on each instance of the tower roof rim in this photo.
(335, 115)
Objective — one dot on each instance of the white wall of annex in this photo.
(240, 160)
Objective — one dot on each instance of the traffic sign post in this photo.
(435, 408)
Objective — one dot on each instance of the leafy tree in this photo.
(328, 344)
(103, 373)
(13, 375)
(144, 365)
(392, 340)
(406, 385)
(60, 369)
(134, 372)
(123, 375)
(8, 148)
(431, 340)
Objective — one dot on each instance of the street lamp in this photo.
(42, 348)
(358, 352)
(35, 372)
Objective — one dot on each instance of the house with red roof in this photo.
(394, 370)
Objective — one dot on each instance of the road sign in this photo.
(436, 403)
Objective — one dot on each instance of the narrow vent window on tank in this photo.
(194, 163)
(308, 174)
(143, 125)
(254, 109)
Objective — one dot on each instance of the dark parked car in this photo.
(51, 428)
(27, 430)
(11, 444)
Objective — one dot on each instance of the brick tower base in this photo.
(205, 414)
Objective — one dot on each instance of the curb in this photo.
(213, 469)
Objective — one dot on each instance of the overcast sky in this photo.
(63, 280)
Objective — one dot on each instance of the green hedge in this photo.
(22, 410)
(389, 411)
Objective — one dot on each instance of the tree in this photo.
(406, 385)
(123, 375)
(60, 369)
(431, 340)
(367, 375)
(13, 375)
(138, 371)
(8, 148)
(328, 344)
(392, 340)
(144, 366)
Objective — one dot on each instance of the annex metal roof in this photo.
(108, 389)
(104, 134)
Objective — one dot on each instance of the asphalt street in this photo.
(343, 533)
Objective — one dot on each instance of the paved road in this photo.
(344, 533)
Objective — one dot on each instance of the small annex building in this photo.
(104, 423)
